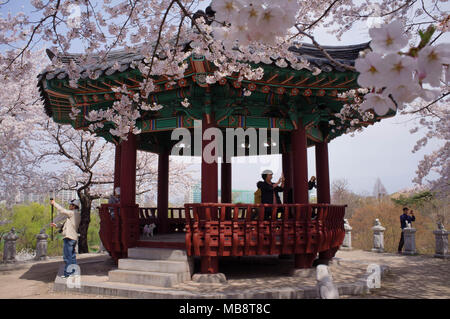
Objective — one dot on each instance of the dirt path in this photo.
(410, 276)
(35, 280)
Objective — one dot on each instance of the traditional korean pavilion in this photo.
(297, 102)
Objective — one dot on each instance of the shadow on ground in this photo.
(247, 267)
(46, 272)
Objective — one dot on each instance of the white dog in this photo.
(148, 230)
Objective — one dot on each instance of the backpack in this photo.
(257, 196)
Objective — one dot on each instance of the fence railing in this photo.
(119, 228)
(215, 229)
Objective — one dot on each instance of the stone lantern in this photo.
(441, 235)
(41, 245)
(409, 235)
(9, 249)
(347, 243)
(378, 237)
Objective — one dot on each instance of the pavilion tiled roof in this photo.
(308, 92)
(343, 54)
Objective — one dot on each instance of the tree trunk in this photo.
(84, 223)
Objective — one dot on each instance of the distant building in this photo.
(196, 192)
(243, 196)
(239, 196)
(65, 195)
(22, 198)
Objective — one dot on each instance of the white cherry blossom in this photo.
(250, 13)
(380, 103)
(226, 10)
(397, 69)
(121, 24)
(370, 68)
(430, 62)
(404, 93)
(271, 20)
(388, 38)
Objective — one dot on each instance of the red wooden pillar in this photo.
(209, 264)
(117, 160)
(323, 190)
(110, 228)
(163, 191)
(226, 182)
(226, 186)
(210, 176)
(128, 171)
(129, 211)
(300, 177)
(288, 176)
(322, 173)
(300, 165)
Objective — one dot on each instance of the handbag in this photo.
(60, 230)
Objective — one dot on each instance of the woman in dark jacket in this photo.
(269, 191)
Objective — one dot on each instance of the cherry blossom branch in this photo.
(133, 6)
(40, 23)
(408, 3)
(159, 36)
(328, 56)
(427, 107)
(324, 14)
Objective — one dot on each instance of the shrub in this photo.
(389, 215)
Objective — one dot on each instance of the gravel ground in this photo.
(34, 280)
(410, 277)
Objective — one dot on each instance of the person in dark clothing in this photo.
(312, 183)
(269, 191)
(403, 219)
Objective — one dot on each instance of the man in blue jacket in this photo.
(403, 219)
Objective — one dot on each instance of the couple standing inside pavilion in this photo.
(267, 192)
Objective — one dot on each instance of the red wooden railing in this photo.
(240, 229)
(120, 232)
(214, 229)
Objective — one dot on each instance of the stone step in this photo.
(157, 254)
(158, 279)
(167, 266)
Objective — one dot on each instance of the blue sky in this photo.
(382, 150)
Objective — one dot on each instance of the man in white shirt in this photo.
(71, 218)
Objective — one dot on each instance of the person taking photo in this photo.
(403, 219)
(71, 218)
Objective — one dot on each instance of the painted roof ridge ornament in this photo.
(50, 54)
(208, 15)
